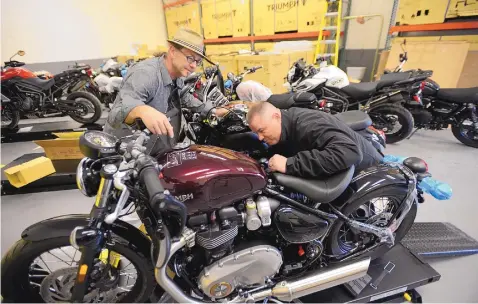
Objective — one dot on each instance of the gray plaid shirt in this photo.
(147, 82)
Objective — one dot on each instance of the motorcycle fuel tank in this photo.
(206, 178)
(17, 72)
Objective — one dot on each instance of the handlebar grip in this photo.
(149, 176)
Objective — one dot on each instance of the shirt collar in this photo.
(164, 72)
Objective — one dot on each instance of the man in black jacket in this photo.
(310, 143)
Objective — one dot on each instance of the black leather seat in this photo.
(41, 83)
(389, 79)
(356, 120)
(465, 95)
(360, 91)
(321, 191)
(282, 101)
(287, 100)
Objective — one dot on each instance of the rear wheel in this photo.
(10, 116)
(465, 132)
(396, 121)
(375, 208)
(45, 271)
(88, 105)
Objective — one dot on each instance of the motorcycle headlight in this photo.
(87, 181)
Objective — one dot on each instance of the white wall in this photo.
(365, 36)
(62, 30)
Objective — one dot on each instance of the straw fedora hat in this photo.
(190, 40)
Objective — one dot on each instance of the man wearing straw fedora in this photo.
(150, 90)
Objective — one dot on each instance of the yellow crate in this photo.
(241, 18)
(273, 73)
(190, 17)
(209, 23)
(263, 17)
(223, 18)
(235, 47)
(459, 8)
(263, 46)
(227, 63)
(213, 49)
(311, 13)
(286, 15)
(171, 19)
(421, 11)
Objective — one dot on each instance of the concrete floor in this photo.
(448, 160)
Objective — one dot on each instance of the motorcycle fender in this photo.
(62, 226)
(377, 179)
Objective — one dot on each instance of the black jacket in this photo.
(318, 145)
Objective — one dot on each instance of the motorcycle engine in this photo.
(246, 268)
(421, 117)
(29, 103)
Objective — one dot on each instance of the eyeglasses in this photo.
(191, 59)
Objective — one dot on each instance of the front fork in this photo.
(91, 239)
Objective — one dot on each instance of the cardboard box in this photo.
(209, 23)
(223, 18)
(241, 18)
(421, 11)
(61, 148)
(263, 17)
(30, 171)
(460, 8)
(273, 73)
(171, 21)
(227, 63)
(429, 56)
(311, 14)
(187, 16)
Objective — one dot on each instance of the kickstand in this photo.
(413, 133)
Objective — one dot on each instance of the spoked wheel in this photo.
(45, 271)
(465, 132)
(10, 117)
(88, 107)
(396, 121)
(372, 209)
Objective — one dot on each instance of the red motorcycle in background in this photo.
(26, 94)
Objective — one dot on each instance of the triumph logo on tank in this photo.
(283, 6)
(184, 197)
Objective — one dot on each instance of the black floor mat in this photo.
(437, 239)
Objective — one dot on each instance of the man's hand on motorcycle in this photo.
(157, 123)
(220, 112)
(278, 163)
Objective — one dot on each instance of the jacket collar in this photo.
(285, 122)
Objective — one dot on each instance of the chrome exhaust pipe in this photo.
(320, 280)
(285, 291)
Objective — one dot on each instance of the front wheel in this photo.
(465, 132)
(375, 208)
(396, 121)
(10, 116)
(89, 107)
(45, 271)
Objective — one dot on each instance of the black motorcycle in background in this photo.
(435, 108)
(27, 94)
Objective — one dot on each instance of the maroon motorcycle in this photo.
(219, 227)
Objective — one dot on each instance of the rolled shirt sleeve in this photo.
(137, 89)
